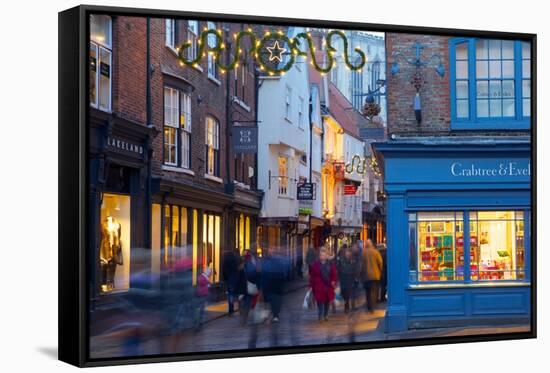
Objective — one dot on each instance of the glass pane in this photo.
(508, 108)
(508, 69)
(526, 88)
(481, 49)
(104, 79)
(526, 69)
(459, 249)
(93, 74)
(436, 247)
(525, 50)
(494, 69)
(495, 89)
(482, 69)
(526, 107)
(507, 49)
(462, 89)
(462, 109)
(495, 108)
(100, 29)
(461, 51)
(462, 69)
(508, 89)
(494, 246)
(494, 49)
(482, 89)
(482, 108)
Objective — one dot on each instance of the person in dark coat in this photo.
(274, 273)
(311, 257)
(348, 276)
(322, 280)
(230, 270)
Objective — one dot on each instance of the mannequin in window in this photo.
(110, 253)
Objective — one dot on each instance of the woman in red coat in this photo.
(322, 279)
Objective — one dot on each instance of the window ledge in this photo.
(187, 171)
(241, 103)
(484, 284)
(213, 178)
(214, 80)
(171, 49)
(288, 120)
(281, 196)
(513, 125)
(198, 68)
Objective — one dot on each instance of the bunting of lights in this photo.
(270, 50)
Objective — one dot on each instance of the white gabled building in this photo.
(283, 154)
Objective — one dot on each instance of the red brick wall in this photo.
(207, 97)
(434, 94)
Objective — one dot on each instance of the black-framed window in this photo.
(177, 128)
(212, 142)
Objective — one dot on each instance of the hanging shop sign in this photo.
(339, 169)
(305, 191)
(350, 189)
(245, 139)
(274, 52)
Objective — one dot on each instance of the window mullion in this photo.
(518, 80)
(472, 91)
(466, 245)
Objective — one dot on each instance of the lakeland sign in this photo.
(510, 168)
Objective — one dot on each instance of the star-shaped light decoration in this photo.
(278, 54)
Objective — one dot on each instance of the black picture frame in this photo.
(73, 170)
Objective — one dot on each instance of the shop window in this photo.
(100, 62)
(211, 245)
(432, 237)
(155, 239)
(496, 246)
(497, 250)
(195, 238)
(114, 247)
(490, 83)
(242, 232)
(212, 146)
(175, 245)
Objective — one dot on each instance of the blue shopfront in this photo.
(458, 231)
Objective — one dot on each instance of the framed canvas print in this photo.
(240, 186)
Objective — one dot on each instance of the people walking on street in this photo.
(371, 272)
(348, 276)
(230, 270)
(384, 279)
(203, 284)
(250, 291)
(275, 270)
(322, 280)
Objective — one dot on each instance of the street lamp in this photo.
(417, 80)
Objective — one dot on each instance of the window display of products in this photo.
(496, 244)
(439, 259)
(114, 252)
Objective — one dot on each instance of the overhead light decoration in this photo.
(358, 164)
(274, 52)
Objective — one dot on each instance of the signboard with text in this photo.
(245, 139)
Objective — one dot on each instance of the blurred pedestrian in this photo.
(322, 280)
(230, 272)
(371, 272)
(348, 276)
(274, 273)
(311, 257)
(203, 284)
(251, 289)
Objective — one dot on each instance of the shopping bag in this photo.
(251, 288)
(308, 300)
